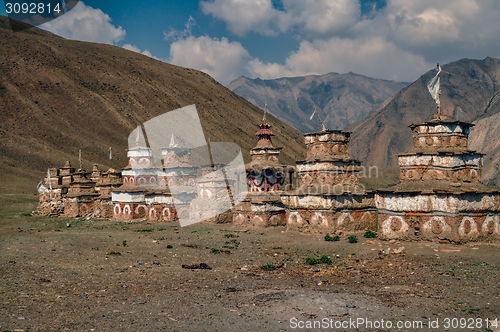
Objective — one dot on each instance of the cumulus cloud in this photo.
(86, 23)
(176, 34)
(441, 29)
(220, 58)
(399, 41)
(321, 16)
(242, 16)
(374, 57)
(136, 49)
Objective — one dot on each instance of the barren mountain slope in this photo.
(58, 96)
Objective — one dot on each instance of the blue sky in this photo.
(393, 39)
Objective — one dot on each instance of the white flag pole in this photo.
(80, 158)
(312, 115)
(434, 88)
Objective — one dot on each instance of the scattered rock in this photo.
(450, 250)
(370, 242)
(392, 241)
(339, 232)
(399, 250)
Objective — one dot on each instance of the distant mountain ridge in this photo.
(471, 94)
(341, 99)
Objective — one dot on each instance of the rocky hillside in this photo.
(341, 99)
(58, 96)
(471, 94)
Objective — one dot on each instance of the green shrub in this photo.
(113, 253)
(370, 235)
(269, 267)
(312, 261)
(352, 239)
(325, 259)
(170, 246)
(124, 242)
(330, 238)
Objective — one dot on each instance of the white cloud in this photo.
(320, 16)
(400, 42)
(242, 16)
(372, 57)
(176, 34)
(136, 49)
(132, 48)
(221, 59)
(86, 23)
(443, 29)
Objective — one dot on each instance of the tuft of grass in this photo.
(169, 246)
(218, 251)
(352, 239)
(26, 214)
(325, 259)
(370, 235)
(124, 242)
(114, 253)
(312, 261)
(228, 247)
(144, 230)
(161, 229)
(330, 238)
(268, 267)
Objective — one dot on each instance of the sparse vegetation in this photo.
(169, 246)
(325, 259)
(332, 238)
(117, 253)
(312, 261)
(219, 251)
(268, 267)
(370, 235)
(352, 239)
(124, 243)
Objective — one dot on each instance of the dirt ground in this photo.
(59, 274)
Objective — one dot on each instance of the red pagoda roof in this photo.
(264, 130)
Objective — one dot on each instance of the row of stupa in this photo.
(439, 194)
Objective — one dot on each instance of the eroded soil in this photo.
(107, 276)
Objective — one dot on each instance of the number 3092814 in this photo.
(32, 8)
